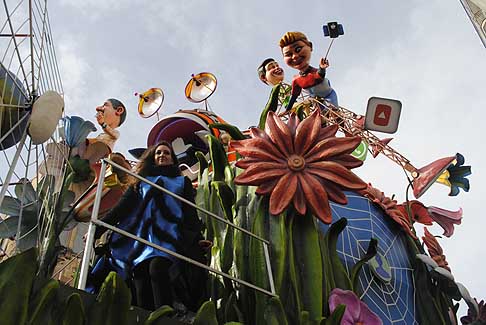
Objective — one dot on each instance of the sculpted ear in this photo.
(262, 78)
(119, 110)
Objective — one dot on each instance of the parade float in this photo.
(297, 237)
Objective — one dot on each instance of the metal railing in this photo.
(96, 222)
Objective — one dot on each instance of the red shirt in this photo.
(308, 80)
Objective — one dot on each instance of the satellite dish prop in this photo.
(200, 87)
(13, 108)
(46, 113)
(150, 102)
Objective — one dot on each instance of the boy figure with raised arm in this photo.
(296, 50)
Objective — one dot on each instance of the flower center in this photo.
(296, 163)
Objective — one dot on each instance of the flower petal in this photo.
(307, 133)
(328, 131)
(335, 193)
(265, 145)
(336, 173)
(258, 176)
(350, 300)
(246, 162)
(332, 147)
(400, 218)
(347, 161)
(76, 129)
(293, 122)
(253, 152)
(446, 219)
(299, 201)
(386, 203)
(280, 133)
(316, 197)
(266, 187)
(366, 316)
(257, 133)
(419, 212)
(283, 193)
(435, 250)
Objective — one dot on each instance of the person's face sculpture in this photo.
(162, 156)
(297, 55)
(111, 114)
(274, 74)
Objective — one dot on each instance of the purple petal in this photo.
(350, 300)
(366, 316)
(446, 218)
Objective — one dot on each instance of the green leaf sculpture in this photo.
(16, 278)
(113, 302)
(206, 315)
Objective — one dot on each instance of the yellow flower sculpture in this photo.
(300, 163)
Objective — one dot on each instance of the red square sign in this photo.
(383, 114)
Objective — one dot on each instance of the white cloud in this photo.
(95, 10)
(75, 75)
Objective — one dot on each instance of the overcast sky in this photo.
(424, 53)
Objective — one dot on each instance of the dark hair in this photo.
(261, 68)
(147, 161)
(116, 103)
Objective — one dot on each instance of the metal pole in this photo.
(9, 19)
(91, 230)
(182, 257)
(329, 48)
(67, 264)
(14, 127)
(32, 49)
(13, 164)
(269, 268)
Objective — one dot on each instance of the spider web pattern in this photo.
(393, 302)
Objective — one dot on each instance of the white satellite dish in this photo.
(200, 87)
(46, 113)
(150, 102)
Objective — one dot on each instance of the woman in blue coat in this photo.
(157, 277)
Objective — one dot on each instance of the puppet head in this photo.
(270, 72)
(296, 50)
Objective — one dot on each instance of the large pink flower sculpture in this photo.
(357, 312)
(300, 163)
